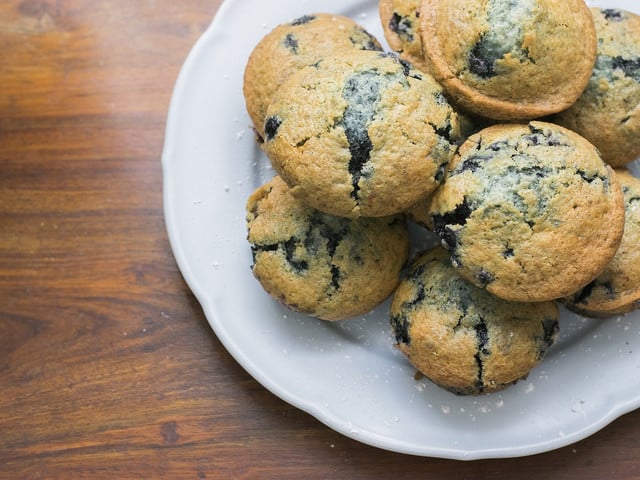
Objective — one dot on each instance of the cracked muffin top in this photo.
(329, 267)
(361, 134)
(509, 59)
(616, 290)
(460, 336)
(292, 46)
(608, 112)
(529, 212)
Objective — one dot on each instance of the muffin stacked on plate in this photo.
(608, 112)
(357, 137)
(528, 213)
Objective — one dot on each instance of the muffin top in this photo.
(608, 112)
(460, 336)
(361, 134)
(529, 212)
(329, 267)
(507, 59)
(617, 289)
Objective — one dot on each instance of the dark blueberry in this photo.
(482, 333)
(362, 92)
(445, 132)
(485, 277)
(320, 228)
(255, 249)
(271, 126)
(508, 253)
(417, 272)
(333, 237)
(550, 327)
(483, 339)
(590, 178)
(472, 163)
(458, 216)
(400, 325)
(498, 146)
(439, 177)
(335, 277)
(419, 298)
(291, 43)
(481, 60)
(302, 20)
(448, 237)
(442, 224)
(402, 26)
(407, 68)
(547, 138)
(630, 66)
(612, 14)
(290, 249)
(583, 295)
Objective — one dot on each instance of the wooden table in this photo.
(108, 368)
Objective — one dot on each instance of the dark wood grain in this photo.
(108, 368)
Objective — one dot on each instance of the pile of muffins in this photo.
(501, 127)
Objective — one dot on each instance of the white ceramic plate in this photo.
(348, 374)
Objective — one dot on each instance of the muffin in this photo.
(509, 60)
(294, 45)
(332, 268)
(460, 336)
(400, 23)
(617, 289)
(529, 211)
(608, 112)
(361, 134)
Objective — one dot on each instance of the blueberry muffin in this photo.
(328, 267)
(292, 46)
(460, 336)
(361, 134)
(617, 290)
(608, 112)
(529, 211)
(400, 22)
(507, 59)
